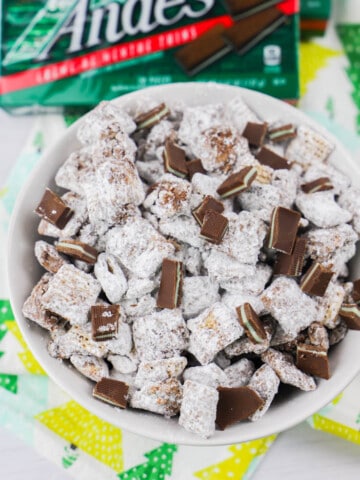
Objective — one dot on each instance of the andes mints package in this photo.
(66, 53)
(314, 16)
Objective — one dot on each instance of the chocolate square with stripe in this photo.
(52, 209)
(316, 280)
(313, 360)
(170, 284)
(214, 227)
(112, 391)
(283, 229)
(209, 203)
(152, 117)
(104, 321)
(174, 159)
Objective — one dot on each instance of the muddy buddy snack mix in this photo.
(61, 53)
(195, 293)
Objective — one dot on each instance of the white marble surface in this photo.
(300, 453)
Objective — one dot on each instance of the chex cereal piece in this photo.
(223, 267)
(111, 277)
(192, 260)
(52, 209)
(168, 197)
(293, 309)
(286, 181)
(212, 331)
(74, 171)
(150, 171)
(48, 256)
(239, 114)
(33, 309)
(251, 323)
(244, 345)
(308, 147)
(198, 408)
(78, 250)
(237, 182)
(318, 335)
(236, 404)
(282, 133)
(260, 199)
(112, 391)
(350, 312)
(92, 367)
(137, 287)
(162, 397)
(203, 185)
(291, 265)
(313, 359)
(126, 364)
(139, 247)
(121, 344)
(104, 321)
(266, 383)
(155, 140)
(198, 293)
(210, 375)
(251, 284)
(174, 159)
(338, 333)
(138, 307)
(255, 133)
(214, 227)
(159, 370)
(283, 229)
(182, 228)
(287, 371)
(152, 117)
(271, 159)
(321, 209)
(162, 334)
(350, 201)
(208, 203)
(169, 294)
(239, 373)
(316, 280)
(321, 184)
(195, 166)
(70, 294)
(77, 340)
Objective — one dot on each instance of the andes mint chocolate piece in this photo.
(152, 117)
(252, 324)
(279, 134)
(237, 182)
(174, 159)
(283, 229)
(316, 280)
(112, 391)
(170, 284)
(248, 32)
(319, 185)
(291, 265)
(255, 133)
(203, 51)
(195, 166)
(244, 8)
(52, 209)
(236, 404)
(356, 290)
(350, 312)
(313, 360)
(79, 250)
(272, 159)
(209, 203)
(214, 227)
(104, 321)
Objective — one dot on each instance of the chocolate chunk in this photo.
(291, 265)
(203, 51)
(170, 284)
(316, 280)
(255, 133)
(236, 404)
(152, 117)
(79, 250)
(112, 391)
(319, 185)
(279, 134)
(248, 32)
(244, 8)
(195, 166)
(209, 203)
(313, 360)
(356, 290)
(104, 321)
(272, 159)
(252, 324)
(214, 227)
(283, 229)
(52, 209)
(350, 312)
(237, 182)
(174, 159)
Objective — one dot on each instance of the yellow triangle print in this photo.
(330, 426)
(96, 437)
(26, 357)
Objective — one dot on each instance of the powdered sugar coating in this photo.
(198, 293)
(329, 305)
(308, 147)
(92, 367)
(48, 256)
(159, 397)
(210, 375)
(239, 373)
(111, 277)
(266, 383)
(321, 209)
(159, 370)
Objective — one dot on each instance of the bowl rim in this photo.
(106, 412)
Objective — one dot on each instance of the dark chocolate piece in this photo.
(252, 324)
(236, 404)
(248, 32)
(244, 8)
(237, 182)
(209, 203)
(279, 134)
(152, 117)
(170, 284)
(356, 291)
(52, 209)
(203, 51)
(319, 185)
(174, 159)
(313, 359)
(272, 159)
(78, 250)
(350, 312)
(104, 321)
(195, 166)
(112, 391)
(214, 227)
(316, 280)
(283, 229)
(255, 133)
(292, 264)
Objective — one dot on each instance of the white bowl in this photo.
(24, 272)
